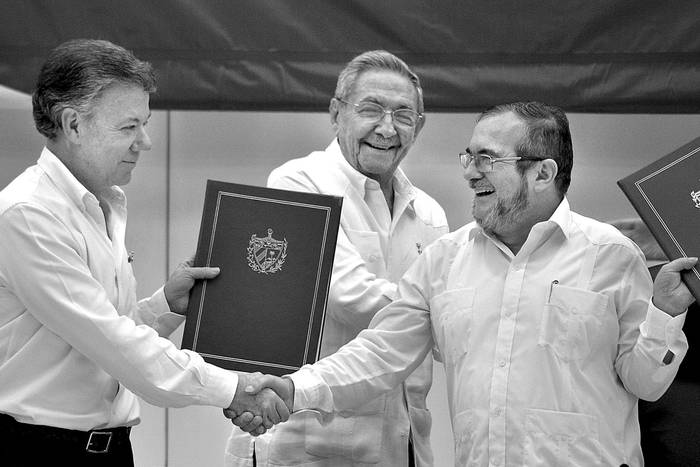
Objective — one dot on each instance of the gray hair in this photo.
(77, 72)
(376, 60)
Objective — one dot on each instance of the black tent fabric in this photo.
(587, 56)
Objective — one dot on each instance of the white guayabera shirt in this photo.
(546, 352)
(373, 251)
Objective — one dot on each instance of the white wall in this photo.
(167, 191)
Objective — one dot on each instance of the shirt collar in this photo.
(66, 181)
(403, 187)
(561, 217)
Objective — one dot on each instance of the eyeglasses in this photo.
(375, 112)
(484, 162)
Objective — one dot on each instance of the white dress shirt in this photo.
(75, 344)
(546, 352)
(374, 249)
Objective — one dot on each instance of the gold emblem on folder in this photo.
(266, 255)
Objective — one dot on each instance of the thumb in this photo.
(255, 383)
(680, 264)
(203, 272)
(259, 382)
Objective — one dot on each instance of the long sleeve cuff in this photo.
(661, 327)
(311, 391)
(155, 312)
(220, 386)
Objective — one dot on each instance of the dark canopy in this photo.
(588, 56)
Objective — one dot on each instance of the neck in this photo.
(389, 196)
(387, 186)
(515, 237)
(64, 152)
(513, 240)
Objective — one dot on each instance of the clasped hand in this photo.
(261, 401)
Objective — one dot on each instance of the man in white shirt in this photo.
(386, 222)
(76, 347)
(545, 319)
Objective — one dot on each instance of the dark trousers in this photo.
(25, 445)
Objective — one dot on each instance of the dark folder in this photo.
(265, 310)
(666, 195)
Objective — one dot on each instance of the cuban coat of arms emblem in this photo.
(266, 255)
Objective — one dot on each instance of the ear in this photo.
(71, 125)
(334, 109)
(546, 174)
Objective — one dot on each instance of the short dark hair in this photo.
(376, 60)
(547, 136)
(77, 72)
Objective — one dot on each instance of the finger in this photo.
(629, 223)
(282, 411)
(229, 413)
(256, 382)
(268, 403)
(271, 413)
(259, 431)
(280, 385)
(255, 423)
(203, 272)
(244, 419)
(679, 264)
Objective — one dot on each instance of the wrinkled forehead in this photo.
(384, 85)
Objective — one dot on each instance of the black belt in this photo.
(94, 441)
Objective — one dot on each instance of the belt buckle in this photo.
(98, 442)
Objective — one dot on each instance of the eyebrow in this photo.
(375, 100)
(485, 151)
(136, 119)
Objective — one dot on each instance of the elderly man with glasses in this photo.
(386, 222)
(546, 320)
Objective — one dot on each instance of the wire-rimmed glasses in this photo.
(374, 112)
(484, 162)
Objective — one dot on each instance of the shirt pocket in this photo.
(451, 319)
(572, 322)
(354, 435)
(369, 247)
(560, 438)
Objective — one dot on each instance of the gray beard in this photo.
(506, 212)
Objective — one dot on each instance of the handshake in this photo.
(261, 401)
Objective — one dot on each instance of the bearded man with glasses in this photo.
(547, 321)
(386, 222)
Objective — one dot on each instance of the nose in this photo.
(471, 173)
(385, 126)
(142, 142)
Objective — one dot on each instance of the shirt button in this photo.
(497, 412)
(372, 258)
(502, 363)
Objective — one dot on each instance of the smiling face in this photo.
(111, 138)
(502, 196)
(375, 148)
